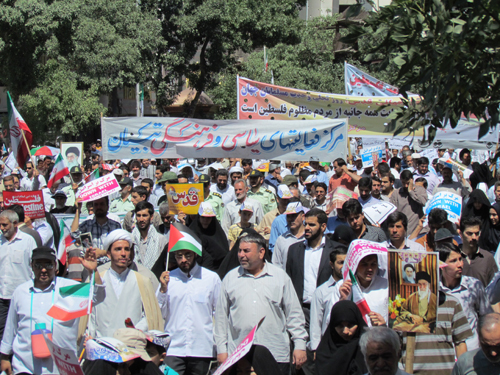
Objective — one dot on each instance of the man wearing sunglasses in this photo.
(30, 304)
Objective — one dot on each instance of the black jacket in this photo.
(295, 265)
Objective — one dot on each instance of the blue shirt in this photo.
(278, 228)
(332, 223)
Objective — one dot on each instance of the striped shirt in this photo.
(435, 353)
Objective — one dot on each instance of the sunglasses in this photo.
(41, 266)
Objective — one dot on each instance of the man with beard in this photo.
(73, 190)
(235, 174)
(98, 225)
(257, 192)
(128, 293)
(486, 359)
(222, 187)
(148, 242)
(320, 315)
(15, 256)
(139, 194)
(410, 200)
(188, 296)
(231, 213)
(61, 207)
(353, 212)
(135, 169)
(468, 290)
(418, 312)
(308, 265)
(376, 188)
(386, 186)
(461, 188)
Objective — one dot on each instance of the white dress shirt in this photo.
(228, 194)
(188, 307)
(45, 231)
(118, 280)
(17, 336)
(26, 183)
(320, 316)
(312, 259)
(15, 259)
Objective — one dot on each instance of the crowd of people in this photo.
(266, 248)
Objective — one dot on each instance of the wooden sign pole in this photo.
(410, 351)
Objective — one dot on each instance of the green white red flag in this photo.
(183, 238)
(18, 127)
(59, 171)
(357, 296)
(73, 302)
(93, 176)
(65, 240)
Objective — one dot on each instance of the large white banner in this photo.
(166, 137)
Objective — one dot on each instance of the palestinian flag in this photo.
(21, 138)
(72, 302)
(357, 296)
(93, 176)
(64, 241)
(59, 171)
(183, 238)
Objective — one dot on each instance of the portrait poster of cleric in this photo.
(413, 290)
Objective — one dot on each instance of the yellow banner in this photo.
(184, 198)
(263, 101)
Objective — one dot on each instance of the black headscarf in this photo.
(213, 240)
(333, 351)
(490, 234)
(262, 361)
(231, 261)
(344, 233)
(484, 213)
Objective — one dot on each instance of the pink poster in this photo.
(99, 188)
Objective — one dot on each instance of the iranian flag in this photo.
(93, 176)
(64, 241)
(59, 171)
(183, 238)
(73, 301)
(20, 135)
(357, 296)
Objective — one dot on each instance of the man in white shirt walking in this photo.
(15, 258)
(187, 297)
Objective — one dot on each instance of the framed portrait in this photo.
(72, 153)
(413, 291)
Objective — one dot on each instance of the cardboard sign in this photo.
(372, 154)
(64, 359)
(397, 144)
(240, 351)
(99, 188)
(32, 202)
(358, 249)
(450, 202)
(413, 276)
(184, 198)
(377, 213)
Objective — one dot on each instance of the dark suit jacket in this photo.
(295, 265)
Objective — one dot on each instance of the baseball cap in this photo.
(443, 234)
(255, 173)
(273, 166)
(135, 340)
(288, 180)
(59, 193)
(311, 179)
(246, 206)
(76, 169)
(168, 177)
(206, 210)
(44, 252)
(294, 208)
(126, 181)
(314, 158)
(284, 192)
(118, 172)
(204, 178)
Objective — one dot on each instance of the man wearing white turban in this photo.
(128, 293)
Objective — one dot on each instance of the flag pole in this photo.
(28, 148)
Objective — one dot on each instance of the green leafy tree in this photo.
(202, 37)
(310, 64)
(447, 51)
(59, 56)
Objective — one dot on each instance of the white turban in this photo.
(235, 169)
(117, 235)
